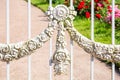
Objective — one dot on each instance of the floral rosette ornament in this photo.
(60, 12)
(61, 58)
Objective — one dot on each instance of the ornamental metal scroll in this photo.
(61, 18)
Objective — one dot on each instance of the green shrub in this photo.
(56, 1)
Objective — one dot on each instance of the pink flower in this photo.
(109, 16)
(99, 4)
(117, 15)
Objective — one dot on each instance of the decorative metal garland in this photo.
(9, 52)
(61, 19)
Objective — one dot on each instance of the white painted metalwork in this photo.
(29, 36)
(71, 48)
(59, 16)
(71, 3)
(8, 71)
(113, 22)
(92, 38)
(50, 3)
(113, 71)
(71, 56)
(92, 68)
(113, 36)
(8, 36)
(50, 61)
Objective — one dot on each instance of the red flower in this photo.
(96, 1)
(110, 10)
(108, 7)
(98, 16)
(87, 14)
(86, 7)
(81, 5)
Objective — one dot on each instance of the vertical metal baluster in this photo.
(71, 49)
(8, 35)
(71, 56)
(50, 63)
(113, 36)
(71, 3)
(29, 36)
(92, 38)
(92, 68)
(113, 71)
(8, 71)
(50, 3)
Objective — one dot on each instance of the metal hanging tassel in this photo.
(61, 57)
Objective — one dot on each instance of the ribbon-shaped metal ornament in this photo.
(62, 15)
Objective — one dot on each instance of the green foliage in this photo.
(117, 2)
(117, 23)
(102, 31)
(56, 1)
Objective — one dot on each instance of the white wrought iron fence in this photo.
(58, 16)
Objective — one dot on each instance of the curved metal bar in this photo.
(103, 51)
(9, 52)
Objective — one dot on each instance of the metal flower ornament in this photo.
(61, 58)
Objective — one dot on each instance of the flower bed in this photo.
(102, 9)
(108, 19)
(83, 8)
